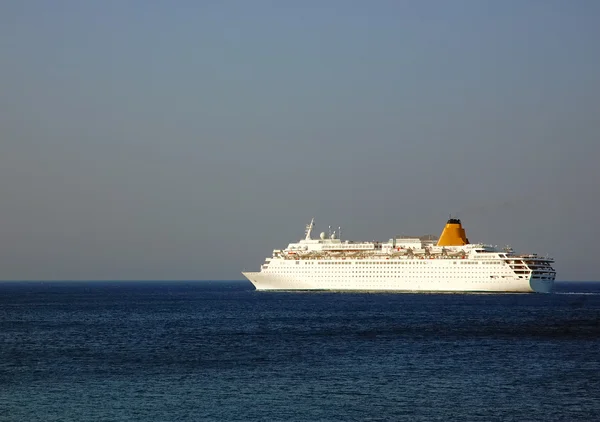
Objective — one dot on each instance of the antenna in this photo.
(340, 233)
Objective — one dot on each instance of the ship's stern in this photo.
(539, 285)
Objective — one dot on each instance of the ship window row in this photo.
(422, 262)
(412, 262)
(410, 267)
(392, 274)
(335, 263)
(377, 269)
(429, 279)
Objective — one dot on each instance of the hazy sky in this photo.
(188, 139)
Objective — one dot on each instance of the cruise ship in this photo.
(403, 264)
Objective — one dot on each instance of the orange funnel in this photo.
(453, 234)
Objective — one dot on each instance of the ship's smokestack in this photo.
(453, 234)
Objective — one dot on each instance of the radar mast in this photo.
(309, 228)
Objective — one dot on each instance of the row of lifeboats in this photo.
(321, 256)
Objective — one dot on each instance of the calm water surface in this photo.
(220, 351)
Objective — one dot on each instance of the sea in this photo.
(221, 351)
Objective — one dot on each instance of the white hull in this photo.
(264, 281)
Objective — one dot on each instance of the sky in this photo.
(185, 140)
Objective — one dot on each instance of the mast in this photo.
(309, 228)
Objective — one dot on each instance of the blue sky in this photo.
(187, 139)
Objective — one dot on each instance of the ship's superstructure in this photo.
(403, 263)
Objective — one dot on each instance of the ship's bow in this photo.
(254, 278)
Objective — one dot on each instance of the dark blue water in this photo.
(218, 351)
